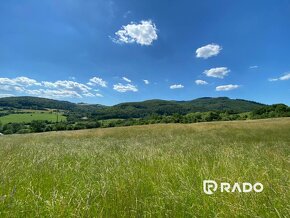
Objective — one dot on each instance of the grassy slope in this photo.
(147, 171)
(18, 118)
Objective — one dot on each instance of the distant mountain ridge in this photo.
(27, 102)
(135, 109)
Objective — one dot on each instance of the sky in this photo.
(113, 51)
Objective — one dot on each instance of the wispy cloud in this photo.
(284, 77)
(49, 93)
(99, 95)
(6, 95)
(125, 88)
(146, 81)
(126, 79)
(227, 87)
(253, 67)
(207, 51)
(93, 95)
(200, 82)
(143, 33)
(97, 81)
(219, 72)
(67, 85)
(127, 14)
(176, 86)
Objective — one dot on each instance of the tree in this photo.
(38, 126)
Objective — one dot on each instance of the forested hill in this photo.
(35, 103)
(163, 107)
(27, 102)
(134, 109)
(199, 104)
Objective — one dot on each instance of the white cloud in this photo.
(285, 77)
(99, 95)
(67, 85)
(143, 33)
(126, 79)
(26, 81)
(49, 93)
(19, 81)
(253, 67)
(58, 89)
(93, 95)
(6, 95)
(219, 72)
(146, 81)
(125, 88)
(176, 86)
(97, 81)
(226, 87)
(89, 94)
(208, 51)
(12, 88)
(200, 82)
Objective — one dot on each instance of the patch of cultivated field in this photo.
(147, 171)
(28, 117)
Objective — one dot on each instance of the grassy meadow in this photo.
(28, 117)
(147, 171)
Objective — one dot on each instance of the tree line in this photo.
(273, 111)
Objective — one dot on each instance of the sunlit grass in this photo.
(28, 117)
(147, 171)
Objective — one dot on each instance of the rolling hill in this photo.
(134, 109)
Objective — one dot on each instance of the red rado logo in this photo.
(211, 186)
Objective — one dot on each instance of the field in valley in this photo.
(28, 117)
(147, 171)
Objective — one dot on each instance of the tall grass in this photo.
(147, 171)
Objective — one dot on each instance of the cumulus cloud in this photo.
(97, 81)
(219, 72)
(143, 33)
(125, 88)
(17, 84)
(226, 87)
(208, 51)
(176, 86)
(12, 88)
(146, 81)
(284, 77)
(19, 81)
(67, 85)
(200, 82)
(126, 79)
(59, 89)
(49, 93)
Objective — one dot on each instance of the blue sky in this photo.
(107, 52)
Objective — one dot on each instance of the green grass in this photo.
(28, 117)
(147, 171)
